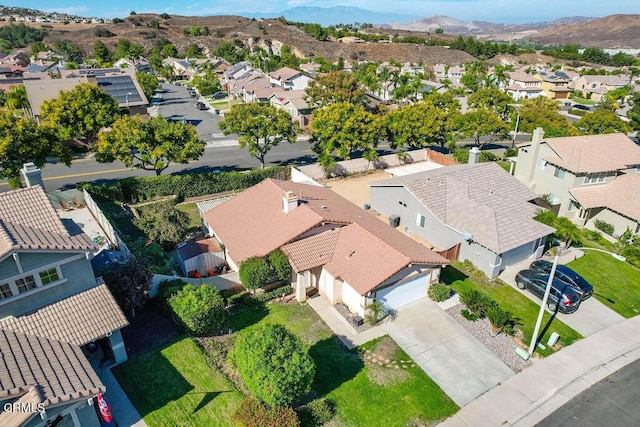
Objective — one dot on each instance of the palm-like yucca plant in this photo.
(375, 313)
(502, 320)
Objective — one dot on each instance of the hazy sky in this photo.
(507, 11)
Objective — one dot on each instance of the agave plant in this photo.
(502, 320)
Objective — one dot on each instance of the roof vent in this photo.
(467, 237)
(323, 207)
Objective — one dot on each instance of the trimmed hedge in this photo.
(138, 189)
(252, 413)
(439, 292)
(200, 309)
(246, 299)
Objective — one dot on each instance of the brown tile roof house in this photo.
(78, 319)
(28, 221)
(43, 370)
(364, 252)
(593, 153)
(284, 73)
(621, 195)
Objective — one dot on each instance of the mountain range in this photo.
(335, 15)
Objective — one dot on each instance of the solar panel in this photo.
(121, 88)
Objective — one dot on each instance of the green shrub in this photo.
(280, 265)
(605, 227)
(469, 315)
(473, 299)
(246, 299)
(487, 156)
(375, 312)
(273, 364)
(200, 309)
(592, 235)
(632, 253)
(439, 292)
(316, 413)
(254, 272)
(163, 223)
(461, 155)
(502, 320)
(510, 152)
(168, 288)
(138, 189)
(251, 413)
(152, 256)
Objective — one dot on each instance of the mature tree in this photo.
(482, 122)
(101, 53)
(415, 125)
(149, 144)
(543, 112)
(68, 49)
(129, 283)
(260, 127)
(273, 364)
(470, 81)
(634, 112)
(343, 128)
(601, 121)
(335, 87)
(148, 83)
(22, 141)
(493, 99)
(163, 223)
(254, 273)
(16, 98)
(127, 49)
(80, 112)
(200, 309)
(169, 51)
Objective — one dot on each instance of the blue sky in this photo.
(507, 11)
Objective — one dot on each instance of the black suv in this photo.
(564, 273)
(201, 105)
(562, 297)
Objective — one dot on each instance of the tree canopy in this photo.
(149, 144)
(481, 122)
(634, 112)
(601, 121)
(148, 83)
(493, 99)
(416, 125)
(22, 141)
(273, 364)
(80, 112)
(543, 112)
(260, 127)
(335, 87)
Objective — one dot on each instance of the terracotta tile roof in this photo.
(593, 153)
(621, 195)
(60, 371)
(254, 224)
(78, 319)
(284, 73)
(518, 76)
(313, 251)
(481, 199)
(521, 88)
(30, 399)
(28, 221)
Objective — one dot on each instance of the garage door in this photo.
(517, 254)
(403, 293)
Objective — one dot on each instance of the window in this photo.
(5, 291)
(594, 178)
(48, 276)
(26, 284)
(542, 163)
(420, 220)
(572, 206)
(559, 173)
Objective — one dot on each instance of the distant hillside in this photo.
(613, 31)
(334, 15)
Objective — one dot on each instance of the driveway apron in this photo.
(451, 356)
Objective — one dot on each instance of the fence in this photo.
(106, 226)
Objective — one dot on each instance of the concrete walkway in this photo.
(446, 351)
(122, 409)
(534, 393)
(339, 325)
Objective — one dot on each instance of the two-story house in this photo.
(289, 79)
(555, 85)
(595, 87)
(523, 86)
(587, 177)
(293, 102)
(52, 309)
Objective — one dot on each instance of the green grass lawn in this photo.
(616, 283)
(194, 215)
(175, 386)
(584, 101)
(519, 305)
(363, 392)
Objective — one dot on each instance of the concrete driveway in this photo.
(451, 356)
(591, 317)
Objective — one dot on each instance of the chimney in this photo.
(536, 139)
(474, 156)
(289, 201)
(32, 175)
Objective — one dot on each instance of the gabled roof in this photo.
(255, 224)
(518, 87)
(519, 76)
(193, 247)
(313, 251)
(621, 195)
(284, 74)
(59, 371)
(593, 153)
(481, 199)
(609, 80)
(28, 221)
(78, 319)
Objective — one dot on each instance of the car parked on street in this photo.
(564, 273)
(562, 297)
(219, 95)
(201, 105)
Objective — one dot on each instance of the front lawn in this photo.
(191, 209)
(520, 306)
(175, 386)
(615, 283)
(376, 384)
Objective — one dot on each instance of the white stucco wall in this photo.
(352, 299)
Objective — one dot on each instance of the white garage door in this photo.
(518, 254)
(403, 293)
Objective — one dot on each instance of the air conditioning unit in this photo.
(394, 221)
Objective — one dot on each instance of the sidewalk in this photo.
(531, 395)
(123, 411)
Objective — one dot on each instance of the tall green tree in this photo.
(101, 53)
(543, 112)
(16, 98)
(415, 125)
(148, 83)
(601, 121)
(22, 141)
(482, 122)
(260, 128)
(149, 144)
(634, 112)
(493, 99)
(335, 87)
(80, 112)
(342, 128)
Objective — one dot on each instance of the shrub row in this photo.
(605, 227)
(246, 299)
(138, 189)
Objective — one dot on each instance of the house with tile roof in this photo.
(52, 308)
(335, 248)
(478, 212)
(586, 178)
(555, 85)
(289, 79)
(595, 87)
(293, 102)
(523, 86)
